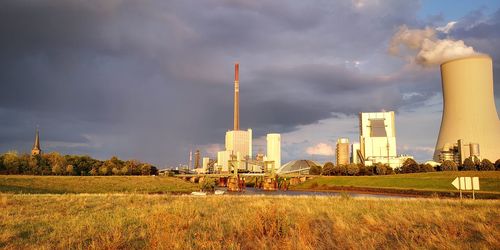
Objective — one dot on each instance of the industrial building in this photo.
(469, 112)
(459, 151)
(274, 150)
(238, 144)
(377, 136)
(223, 158)
(342, 151)
(205, 162)
(355, 153)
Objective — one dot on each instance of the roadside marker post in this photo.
(466, 183)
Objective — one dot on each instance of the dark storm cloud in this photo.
(152, 79)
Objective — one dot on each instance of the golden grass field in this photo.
(135, 221)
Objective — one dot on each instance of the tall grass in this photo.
(244, 222)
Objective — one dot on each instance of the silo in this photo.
(469, 111)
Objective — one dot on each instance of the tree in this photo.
(55, 159)
(93, 171)
(469, 165)
(449, 166)
(410, 166)
(426, 168)
(56, 169)
(352, 169)
(486, 165)
(124, 170)
(368, 170)
(380, 169)
(328, 169)
(34, 164)
(70, 170)
(103, 170)
(11, 162)
(2, 167)
(497, 165)
(116, 171)
(340, 170)
(315, 170)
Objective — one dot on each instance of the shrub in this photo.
(410, 166)
(70, 170)
(207, 185)
(449, 166)
(497, 165)
(352, 169)
(315, 170)
(426, 168)
(327, 169)
(486, 165)
(369, 170)
(469, 165)
(115, 171)
(380, 169)
(340, 170)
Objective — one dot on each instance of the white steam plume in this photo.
(429, 49)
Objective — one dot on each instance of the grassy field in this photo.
(121, 221)
(93, 184)
(436, 181)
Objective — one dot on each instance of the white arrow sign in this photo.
(456, 183)
(466, 183)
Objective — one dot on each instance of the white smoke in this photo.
(426, 48)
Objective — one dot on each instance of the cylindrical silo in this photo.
(469, 111)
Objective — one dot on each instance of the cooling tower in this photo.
(469, 111)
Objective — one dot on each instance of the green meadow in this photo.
(93, 184)
(434, 181)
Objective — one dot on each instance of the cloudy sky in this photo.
(152, 79)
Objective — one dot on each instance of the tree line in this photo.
(56, 164)
(409, 166)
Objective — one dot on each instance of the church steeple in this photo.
(36, 146)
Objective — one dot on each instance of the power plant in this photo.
(238, 155)
(377, 137)
(469, 113)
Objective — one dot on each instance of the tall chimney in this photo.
(236, 98)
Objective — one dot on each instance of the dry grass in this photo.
(241, 222)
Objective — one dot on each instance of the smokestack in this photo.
(469, 111)
(236, 98)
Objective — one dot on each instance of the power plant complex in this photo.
(238, 144)
(469, 128)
